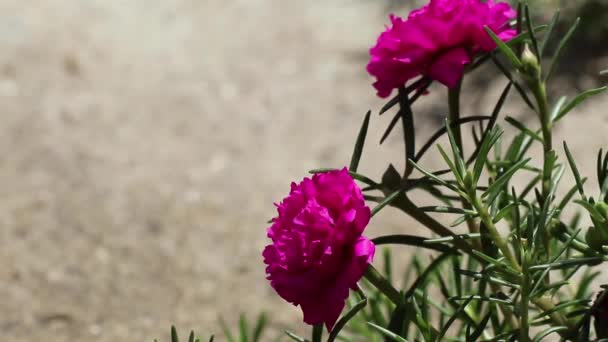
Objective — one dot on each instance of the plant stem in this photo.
(408, 207)
(485, 217)
(383, 285)
(454, 114)
(524, 330)
(540, 94)
(317, 332)
(538, 88)
(409, 134)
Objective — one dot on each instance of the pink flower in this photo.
(317, 252)
(437, 41)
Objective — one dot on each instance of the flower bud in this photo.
(557, 227)
(467, 182)
(530, 64)
(595, 239)
(602, 208)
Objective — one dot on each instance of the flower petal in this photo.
(449, 67)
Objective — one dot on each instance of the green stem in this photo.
(317, 332)
(501, 243)
(383, 285)
(409, 137)
(454, 114)
(538, 88)
(407, 206)
(540, 94)
(524, 330)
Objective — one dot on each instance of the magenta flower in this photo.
(317, 252)
(437, 41)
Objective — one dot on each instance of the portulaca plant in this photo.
(522, 271)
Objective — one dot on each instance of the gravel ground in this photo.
(144, 142)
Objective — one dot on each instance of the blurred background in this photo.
(142, 144)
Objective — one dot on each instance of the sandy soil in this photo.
(143, 143)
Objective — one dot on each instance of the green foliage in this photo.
(510, 276)
(524, 270)
(191, 337)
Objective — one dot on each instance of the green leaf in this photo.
(191, 337)
(448, 210)
(561, 307)
(429, 269)
(174, 337)
(243, 328)
(522, 36)
(547, 36)
(578, 100)
(561, 46)
(388, 264)
(596, 215)
(399, 320)
(390, 104)
(295, 337)
(409, 240)
(456, 152)
(577, 175)
(531, 30)
(485, 299)
(480, 328)
(455, 170)
(390, 127)
(356, 176)
(443, 130)
(541, 335)
(259, 327)
(591, 261)
(585, 284)
(492, 122)
(419, 85)
(497, 263)
(558, 108)
(354, 161)
(494, 188)
(504, 48)
(407, 120)
(453, 238)
(453, 318)
(602, 174)
(517, 86)
(506, 210)
(520, 126)
(489, 140)
(433, 177)
(388, 200)
(568, 197)
(387, 333)
(226, 331)
(347, 317)
(486, 277)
